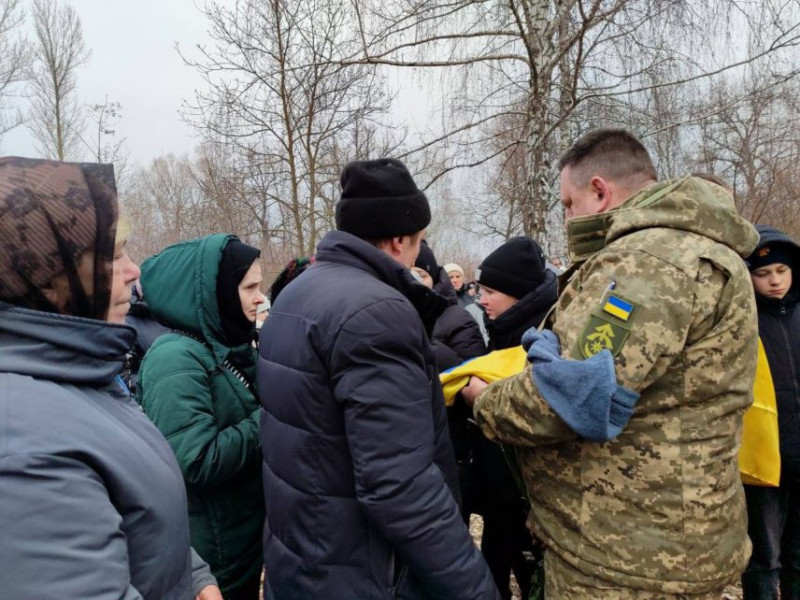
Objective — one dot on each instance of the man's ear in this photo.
(602, 192)
(397, 245)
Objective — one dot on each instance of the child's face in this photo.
(772, 281)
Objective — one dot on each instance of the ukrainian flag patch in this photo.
(618, 307)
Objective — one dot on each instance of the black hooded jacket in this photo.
(456, 335)
(456, 339)
(147, 331)
(779, 329)
(506, 330)
(499, 488)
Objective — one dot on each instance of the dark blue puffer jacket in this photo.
(359, 475)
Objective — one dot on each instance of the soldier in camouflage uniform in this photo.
(658, 511)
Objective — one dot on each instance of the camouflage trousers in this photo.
(565, 582)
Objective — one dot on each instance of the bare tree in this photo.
(165, 204)
(505, 190)
(14, 58)
(102, 140)
(561, 66)
(755, 145)
(450, 233)
(177, 198)
(56, 119)
(276, 100)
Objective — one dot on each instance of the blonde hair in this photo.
(123, 231)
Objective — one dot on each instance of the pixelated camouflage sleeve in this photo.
(629, 302)
(512, 411)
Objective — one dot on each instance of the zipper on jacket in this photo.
(127, 391)
(238, 374)
(789, 352)
(226, 363)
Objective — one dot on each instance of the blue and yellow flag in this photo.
(490, 367)
(618, 307)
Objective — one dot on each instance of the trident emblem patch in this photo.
(606, 330)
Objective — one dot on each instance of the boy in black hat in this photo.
(359, 472)
(773, 514)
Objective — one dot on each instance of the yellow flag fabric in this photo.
(489, 367)
(759, 456)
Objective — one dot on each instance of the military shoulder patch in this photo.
(617, 307)
(608, 327)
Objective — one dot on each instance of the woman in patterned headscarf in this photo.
(91, 500)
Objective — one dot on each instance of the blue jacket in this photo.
(92, 503)
(359, 476)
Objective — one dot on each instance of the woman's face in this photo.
(250, 291)
(495, 303)
(457, 279)
(424, 277)
(772, 281)
(124, 274)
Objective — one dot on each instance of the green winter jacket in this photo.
(209, 415)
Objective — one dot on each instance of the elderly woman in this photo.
(91, 500)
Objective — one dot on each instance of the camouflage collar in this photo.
(587, 235)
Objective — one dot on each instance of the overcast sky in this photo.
(134, 62)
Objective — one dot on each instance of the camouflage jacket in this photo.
(659, 281)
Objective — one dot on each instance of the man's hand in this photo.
(471, 392)
(210, 592)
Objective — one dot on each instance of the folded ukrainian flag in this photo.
(489, 367)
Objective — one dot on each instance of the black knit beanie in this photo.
(380, 200)
(426, 260)
(236, 260)
(768, 254)
(515, 268)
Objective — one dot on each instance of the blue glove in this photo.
(542, 346)
(584, 393)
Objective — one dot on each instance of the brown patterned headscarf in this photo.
(51, 215)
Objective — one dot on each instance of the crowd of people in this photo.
(168, 432)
